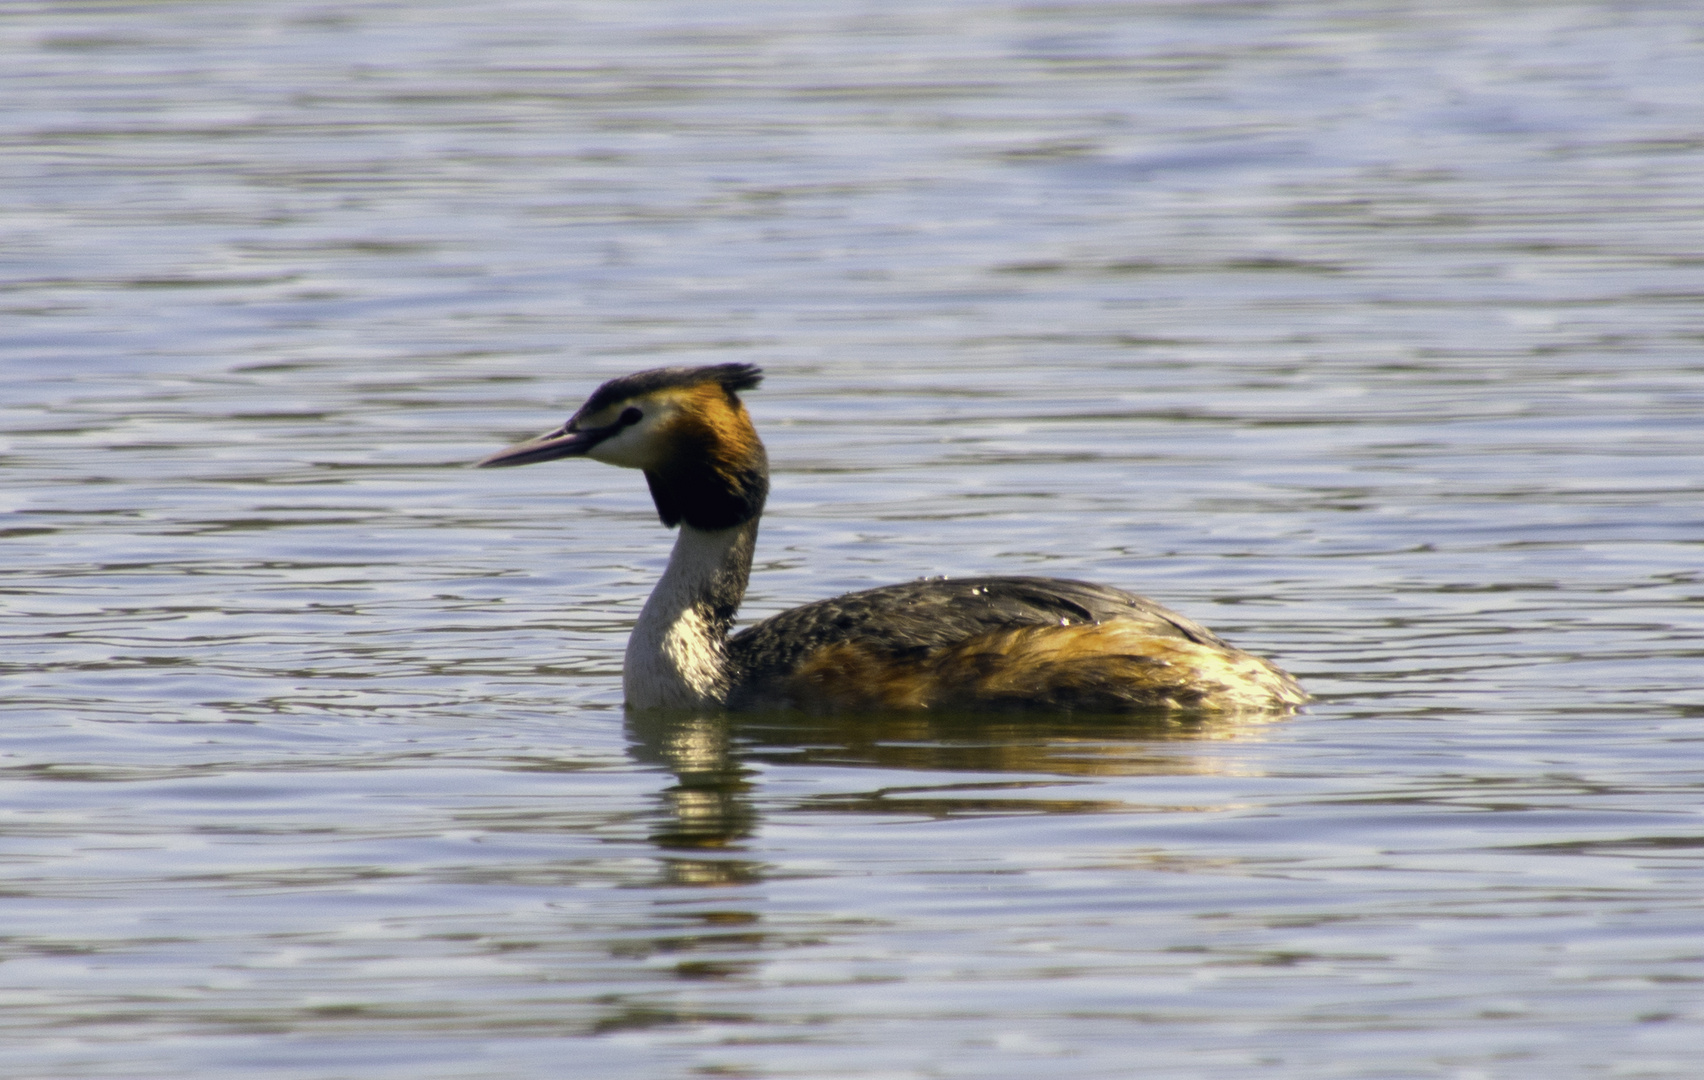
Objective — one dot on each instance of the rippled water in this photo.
(1370, 334)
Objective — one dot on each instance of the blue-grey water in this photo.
(1370, 333)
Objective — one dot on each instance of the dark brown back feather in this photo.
(920, 616)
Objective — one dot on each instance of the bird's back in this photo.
(996, 642)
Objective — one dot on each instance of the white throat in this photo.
(677, 656)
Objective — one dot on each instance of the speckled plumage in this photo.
(993, 642)
(996, 641)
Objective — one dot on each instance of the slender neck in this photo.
(677, 656)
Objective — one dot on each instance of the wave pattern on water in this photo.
(1368, 334)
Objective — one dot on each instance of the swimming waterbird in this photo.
(970, 643)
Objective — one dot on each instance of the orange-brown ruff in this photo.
(1005, 642)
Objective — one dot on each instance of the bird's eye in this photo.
(629, 417)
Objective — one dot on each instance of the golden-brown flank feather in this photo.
(1094, 667)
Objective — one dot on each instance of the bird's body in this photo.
(993, 642)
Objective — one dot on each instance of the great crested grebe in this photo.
(1025, 642)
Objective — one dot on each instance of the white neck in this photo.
(677, 655)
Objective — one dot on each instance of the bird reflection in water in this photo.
(712, 805)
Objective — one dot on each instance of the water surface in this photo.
(1368, 334)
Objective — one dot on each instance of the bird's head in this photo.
(686, 428)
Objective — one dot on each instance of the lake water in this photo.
(1371, 334)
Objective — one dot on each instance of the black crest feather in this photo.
(731, 377)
